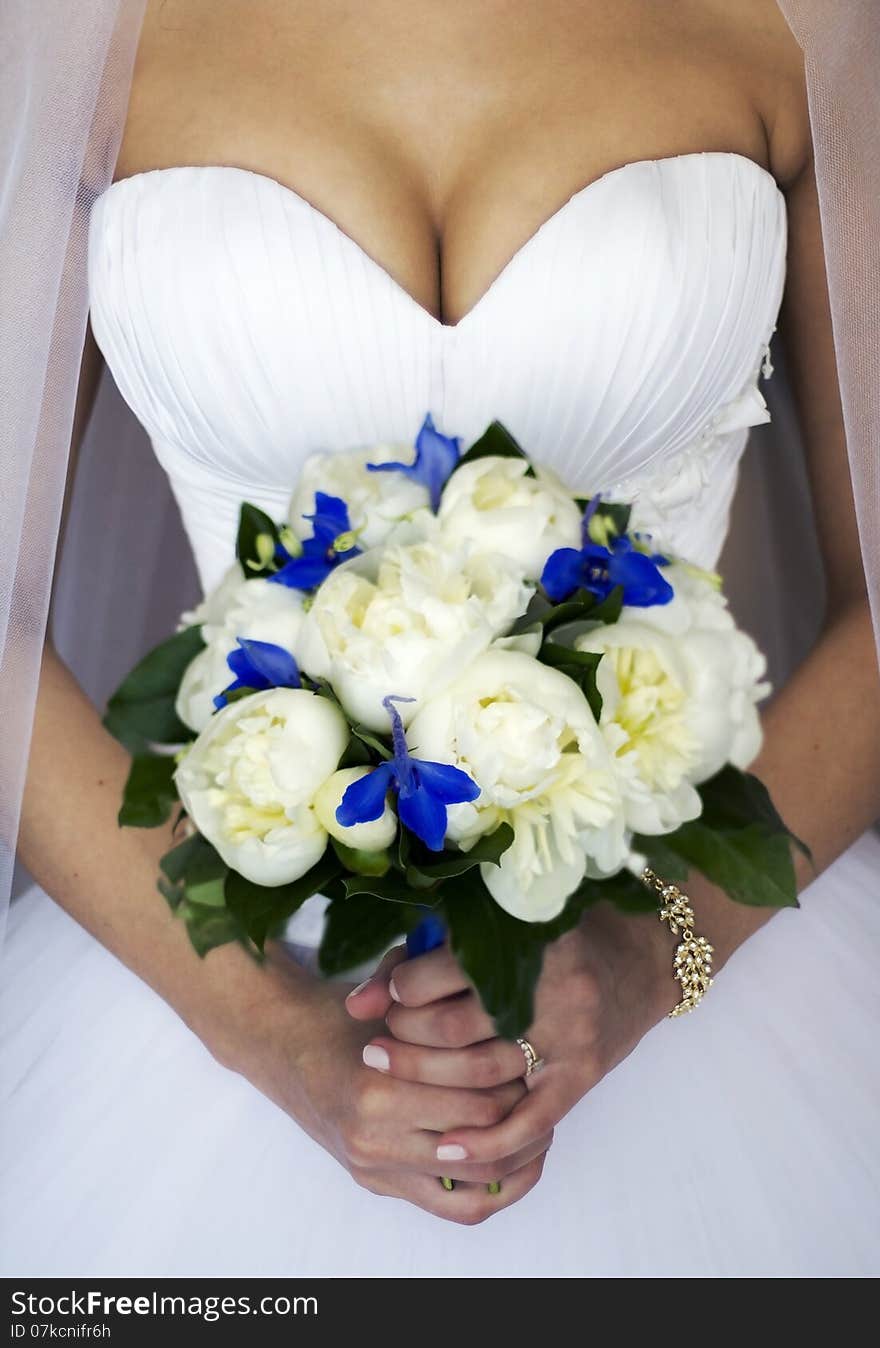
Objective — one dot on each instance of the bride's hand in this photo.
(300, 1048)
(603, 986)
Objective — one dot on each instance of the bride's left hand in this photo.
(602, 987)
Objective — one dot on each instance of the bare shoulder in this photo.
(771, 62)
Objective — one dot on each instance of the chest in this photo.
(439, 137)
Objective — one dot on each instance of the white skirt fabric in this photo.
(743, 1141)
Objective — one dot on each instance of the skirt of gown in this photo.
(742, 1141)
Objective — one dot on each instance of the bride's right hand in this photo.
(299, 1047)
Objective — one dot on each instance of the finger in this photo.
(531, 1118)
(453, 1023)
(480, 1066)
(428, 978)
(397, 1123)
(371, 999)
(488, 1172)
(443, 1108)
(466, 1204)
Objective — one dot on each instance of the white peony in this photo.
(405, 621)
(258, 610)
(380, 505)
(216, 603)
(525, 733)
(372, 836)
(679, 684)
(495, 505)
(250, 780)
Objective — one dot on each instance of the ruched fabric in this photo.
(247, 331)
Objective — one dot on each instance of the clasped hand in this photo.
(602, 987)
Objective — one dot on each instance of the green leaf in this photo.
(252, 524)
(149, 794)
(750, 864)
(579, 608)
(360, 928)
(371, 740)
(360, 861)
(501, 955)
(608, 610)
(392, 888)
(141, 711)
(172, 893)
(495, 440)
(536, 611)
(662, 858)
(357, 755)
(580, 666)
(734, 799)
(191, 882)
(625, 890)
(205, 878)
(195, 871)
(175, 864)
(333, 889)
(260, 908)
(407, 847)
(491, 847)
(209, 926)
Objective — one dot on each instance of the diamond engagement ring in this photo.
(533, 1062)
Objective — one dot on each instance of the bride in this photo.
(327, 220)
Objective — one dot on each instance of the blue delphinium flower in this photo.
(436, 456)
(259, 665)
(602, 569)
(423, 789)
(332, 542)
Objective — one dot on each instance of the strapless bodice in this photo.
(622, 344)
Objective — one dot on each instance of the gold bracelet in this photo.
(692, 963)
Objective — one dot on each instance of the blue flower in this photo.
(436, 457)
(423, 789)
(332, 542)
(259, 665)
(602, 569)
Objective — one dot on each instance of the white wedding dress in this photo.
(623, 345)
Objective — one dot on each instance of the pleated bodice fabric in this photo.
(622, 344)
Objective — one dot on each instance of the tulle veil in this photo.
(65, 72)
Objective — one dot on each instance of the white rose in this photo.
(372, 836)
(258, 610)
(679, 685)
(495, 505)
(405, 621)
(379, 504)
(250, 780)
(525, 733)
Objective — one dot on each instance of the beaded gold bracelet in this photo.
(692, 962)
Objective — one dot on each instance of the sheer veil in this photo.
(64, 77)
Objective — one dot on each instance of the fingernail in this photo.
(393, 990)
(360, 987)
(374, 1056)
(451, 1152)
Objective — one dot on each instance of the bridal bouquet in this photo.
(446, 691)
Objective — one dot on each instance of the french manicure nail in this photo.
(374, 1056)
(393, 990)
(451, 1152)
(360, 987)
